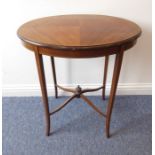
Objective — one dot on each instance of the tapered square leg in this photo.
(54, 76)
(41, 74)
(116, 72)
(105, 76)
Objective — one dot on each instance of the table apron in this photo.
(87, 53)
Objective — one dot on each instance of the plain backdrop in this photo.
(18, 64)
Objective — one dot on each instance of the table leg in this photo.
(40, 68)
(105, 76)
(116, 72)
(54, 76)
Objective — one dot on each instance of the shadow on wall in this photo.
(137, 63)
(136, 66)
(85, 71)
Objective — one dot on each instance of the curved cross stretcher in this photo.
(78, 93)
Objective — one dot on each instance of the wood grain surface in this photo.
(76, 32)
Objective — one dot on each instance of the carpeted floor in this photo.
(77, 129)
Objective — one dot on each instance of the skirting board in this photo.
(34, 90)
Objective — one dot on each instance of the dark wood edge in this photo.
(61, 47)
(89, 53)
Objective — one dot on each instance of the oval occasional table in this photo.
(79, 36)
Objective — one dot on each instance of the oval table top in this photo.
(78, 32)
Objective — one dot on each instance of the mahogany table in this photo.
(79, 36)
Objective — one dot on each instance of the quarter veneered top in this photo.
(78, 31)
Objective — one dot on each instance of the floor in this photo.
(77, 129)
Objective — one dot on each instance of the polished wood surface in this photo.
(78, 32)
(79, 36)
